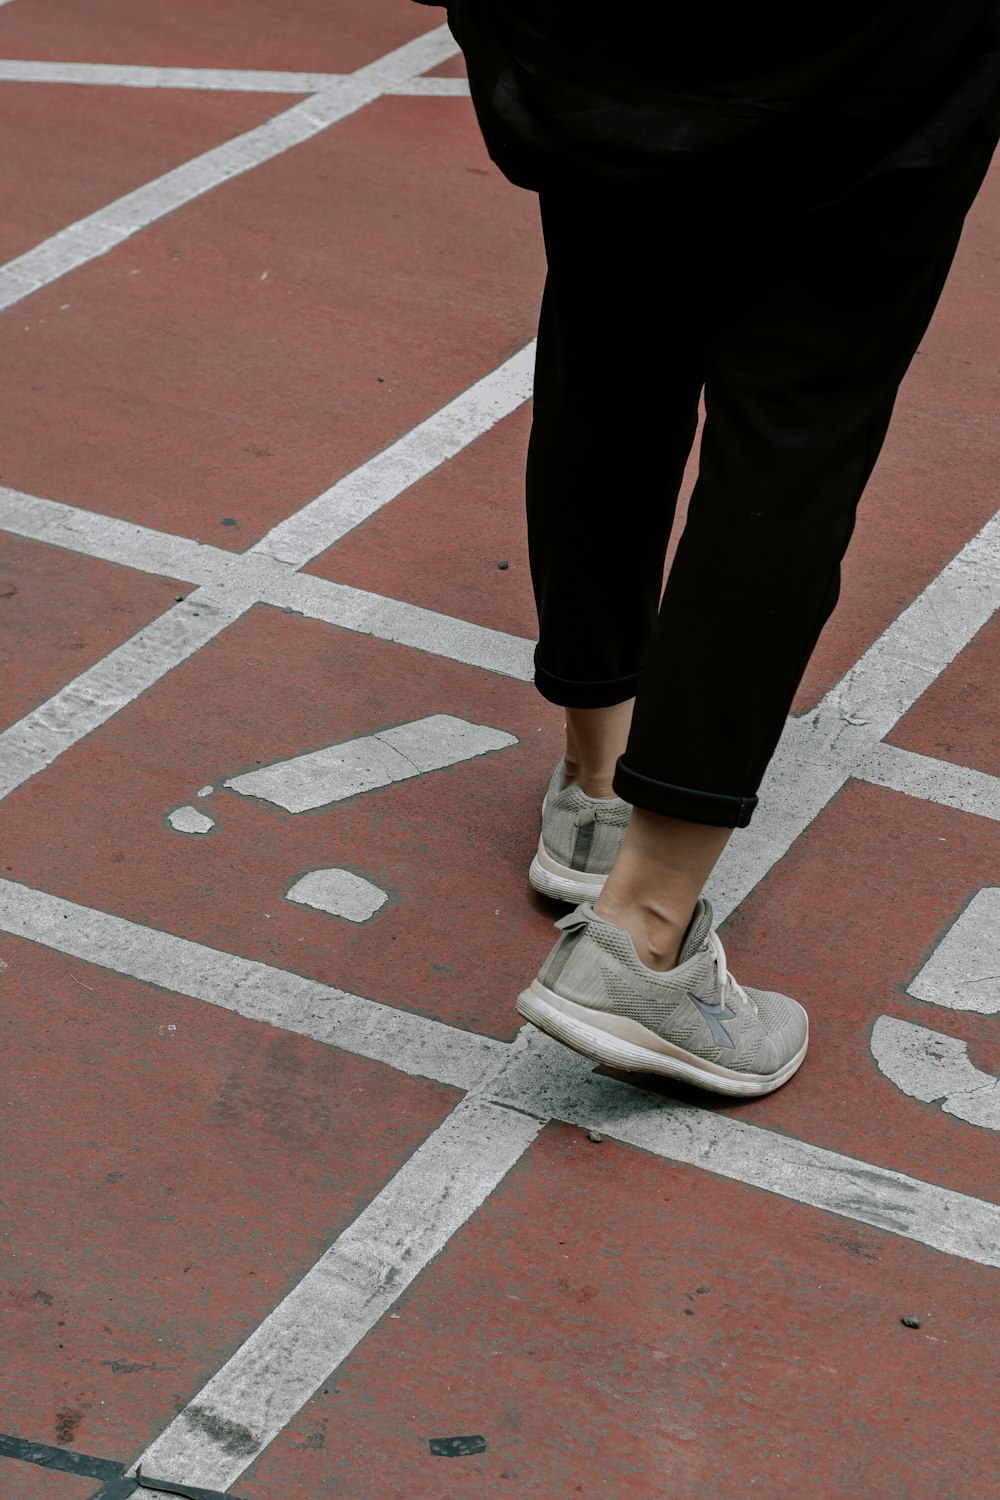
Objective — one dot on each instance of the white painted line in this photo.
(261, 579)
(435, 88)
(116, 75)
(963, 972)
(401, 1039)
(935, 1068)
(932, 780)
(535, 1075)
(341, 893)
(543, 1077)
(84, 704)
(344, 770)
(406, 624)
(820, 751)
(101, 231)
(360, 494)
(190, 820)
(215, 80)
(315, 1328)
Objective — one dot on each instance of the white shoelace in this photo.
(728, 984)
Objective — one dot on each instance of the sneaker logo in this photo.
(715, 1015)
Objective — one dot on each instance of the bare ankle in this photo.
(592, 781)
(656, 934)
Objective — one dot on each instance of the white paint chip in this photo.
(936, 1069)
(190, 820)
(205, 791)
(963, 972)
(345, 770)
(339, 892)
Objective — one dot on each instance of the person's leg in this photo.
(809, 339)
(595, 738)
(806, 345)
(614, 420)
(617, 382)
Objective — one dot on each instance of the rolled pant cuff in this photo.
(692, 806)
(566, 693)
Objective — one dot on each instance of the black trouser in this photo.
(799, 329)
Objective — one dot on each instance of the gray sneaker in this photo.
(580, 840)
(693, 1023)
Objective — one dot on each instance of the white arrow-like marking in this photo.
(963, 972)
(936, 1069)
(338, 771)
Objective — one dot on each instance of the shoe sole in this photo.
(618, 1042)
(561, 882)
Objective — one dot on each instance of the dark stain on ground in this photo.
(231, 1437)
(67, 1422)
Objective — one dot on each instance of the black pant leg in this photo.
(617, 383)
(805, 349)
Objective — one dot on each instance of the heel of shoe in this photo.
(560, 883)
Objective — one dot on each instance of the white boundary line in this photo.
(404, 1040)
(932, 780)
(213, 80)
(366, 1269)
(439, 437)
(101, 231)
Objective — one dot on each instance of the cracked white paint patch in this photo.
(936, 1068)
(963, 972)
(344, 770)
(339, 892)
(190, 820)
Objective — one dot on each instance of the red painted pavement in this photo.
(304, 36)
(615, 1326)
(71, 150)
(60, 613)
(273, 305)
(451, 848)
(172, 1171)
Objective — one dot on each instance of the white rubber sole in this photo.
(618, 1042)
(562, 883)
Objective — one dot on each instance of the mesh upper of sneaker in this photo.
(697, 1006)
(581, 832)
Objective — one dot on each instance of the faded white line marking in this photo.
(936, 1069)
(94, 697)
(359, 495)
(116, 75)
(286, 1359)
(403, 1040)
(436, 88)
(344, 770)
(341, 893)
(932, 780)
(99, 232)
(214, 80)
(190, 820)
(534, 1074)
(543, 1077)
(963, 972)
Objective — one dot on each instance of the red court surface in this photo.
(61, 614)
(70, 150)
(685, 1340)
(188, 1167)
(294, 1206)
(266, 386)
